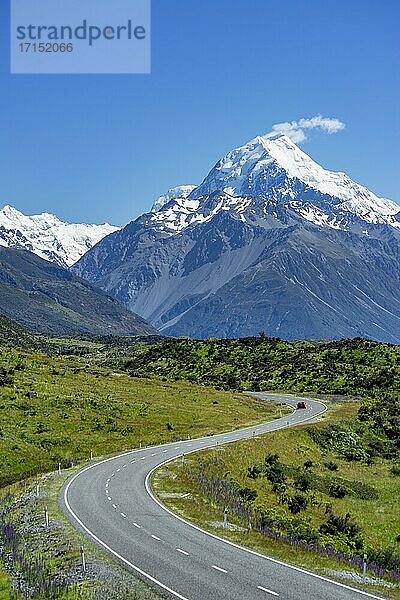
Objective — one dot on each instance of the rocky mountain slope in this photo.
(48, 237)
(270, 241)
(46, 298)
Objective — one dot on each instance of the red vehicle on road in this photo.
(302, 404)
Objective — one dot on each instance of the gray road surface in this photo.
(112, 503)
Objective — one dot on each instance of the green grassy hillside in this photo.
(346, 367)
(59, 409)
(13, 334)
(48, 299)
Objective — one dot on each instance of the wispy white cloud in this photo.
(296, 129)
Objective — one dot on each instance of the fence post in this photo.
(225, 518)
(83, 559)
(365, 568)
(46, 517)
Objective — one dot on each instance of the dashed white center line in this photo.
(112, 474)
(114, 506)
(108, 498)
(263, 589)
(133, 461)
(124, 467)
(154, 454)
(219, 569)
(182, 551)
(138, 526)
(164, 451)
(155, 538)
(123, 515)
(118, 470)
(143, 457)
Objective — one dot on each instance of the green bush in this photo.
(332, 466)
(388, 557)
(338, 491)
(254, 471)
(247, 494)
(6, 377)
(297, 503)
(304, 481)
(336, 525)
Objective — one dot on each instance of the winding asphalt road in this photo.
(111, 502)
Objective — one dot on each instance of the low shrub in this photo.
(332, 466)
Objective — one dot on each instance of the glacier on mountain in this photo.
(48, 237)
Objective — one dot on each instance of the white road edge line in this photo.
(263, 589)
(113, 552)
(149, 491)
(219, 569)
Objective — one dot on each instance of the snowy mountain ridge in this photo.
(48, 237)
(272, 168)
(181, 192)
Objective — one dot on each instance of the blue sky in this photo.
(101, 148)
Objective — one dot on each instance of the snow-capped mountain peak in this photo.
(48, 237)
(270, 241)
(273, 169)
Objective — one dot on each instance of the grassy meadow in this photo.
(59, 409)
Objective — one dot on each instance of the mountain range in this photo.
(48, 237)
(269, 241)
(46, 298)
